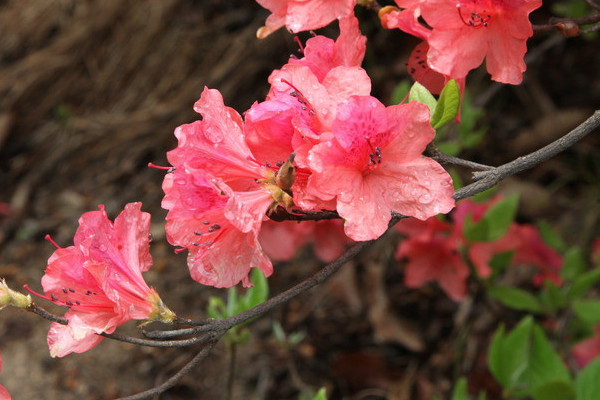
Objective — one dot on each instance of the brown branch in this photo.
(487, 179)
(568, 27)
(172, 381)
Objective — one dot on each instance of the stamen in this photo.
(300, 45)
(476, 19)
(168, 169)
(49, 238)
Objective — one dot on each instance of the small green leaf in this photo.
(452, 148)
(495, 356)
(278, 332)
(545, 364)
(587, 310)
(573, 264)
(460, 390)
(509, 356)
(552, 297)
(555, 390)
(419, 93)
(259, 292)
(400, 92)
(515, 298)
(550, 236)
(447, 105)
(321, 394)
(496, 221)
(216, 308)
(296, 337)
(500, 262)
(587, 383)
(583, 283)
(233, 306)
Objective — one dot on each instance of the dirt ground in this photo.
(90, 92)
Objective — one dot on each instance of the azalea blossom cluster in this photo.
(318, 142)
(100, 280)
(457, 34)
(437, 250)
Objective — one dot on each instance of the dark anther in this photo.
(77, 302)
(53, 297)
(205, 222)
(196, 243)
(208, 243)
(198, 233)
(214, 227)
(69, 303)
(71, 290)
(65, 291)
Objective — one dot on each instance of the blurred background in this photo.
(91, 91)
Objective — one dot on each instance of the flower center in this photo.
(474, 18)
(374, 155)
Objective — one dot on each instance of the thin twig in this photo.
(156, 343)
(444, 158)
(34, 308)
(488, 179)
(593, 4)
(172, 381)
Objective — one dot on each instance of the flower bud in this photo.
(567, 28)
(10, 297)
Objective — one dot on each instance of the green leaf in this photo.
(587, 383)
(573, 264)
(524, 360)
(551, 237)
(259, 292)
(321, 394)
(400, 92)
(216, 308)
(552, 297)
(545, 364)
(555, 390)
(583, 283)
(278, 332)
(500, 262)
(509, 356)
(494, 224)
(233, 305)
(447, 105)
(496, 355)
(452, 148)
(419, 93)
(515, 298)
(460, 390)
(587, 310)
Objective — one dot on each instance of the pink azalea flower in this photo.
(587, 350)
(298, 114)
(322, 54)
(4, 395)
(465, 32)
(218, 181)
(281, 240)
(302, 15)
(100, 280)
(220, 254)
(407, 20)
(433, 252)
(373, 165)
